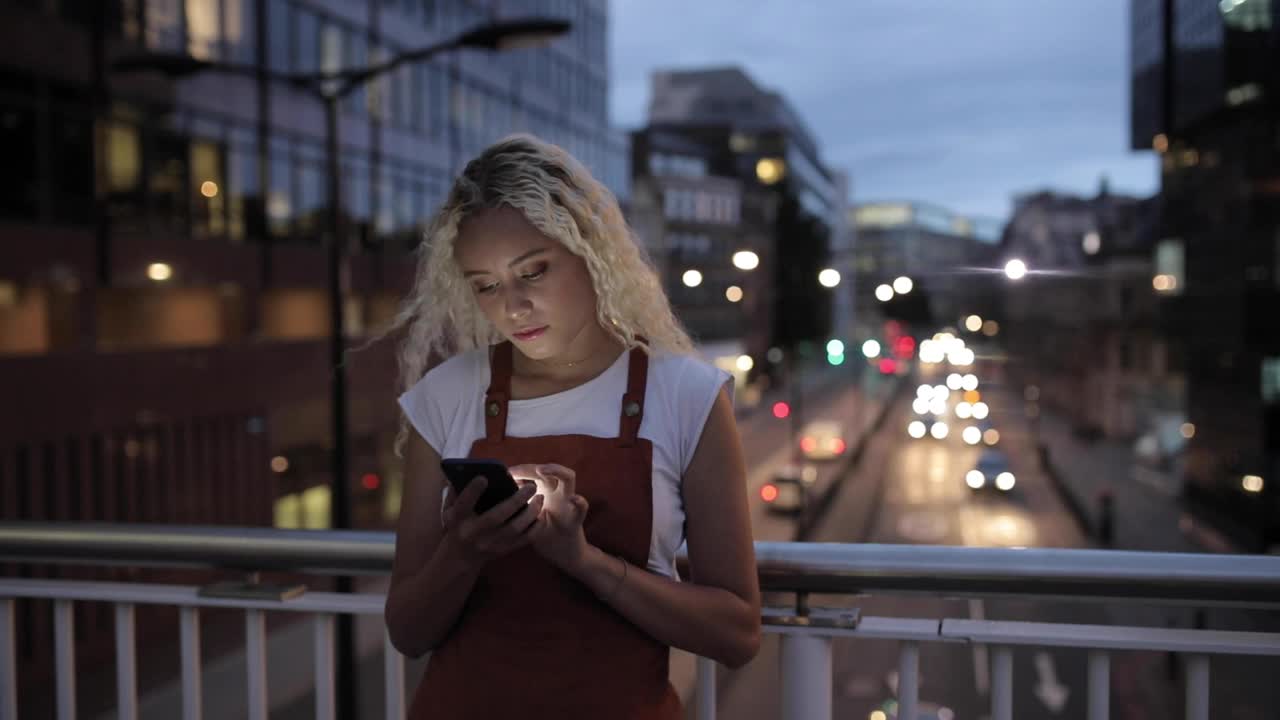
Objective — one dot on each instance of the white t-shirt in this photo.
(446, 407)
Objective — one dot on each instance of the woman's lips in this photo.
(531, 334)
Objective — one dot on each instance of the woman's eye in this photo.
(536, 274)
(486, 289)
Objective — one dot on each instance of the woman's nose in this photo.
(518, 304)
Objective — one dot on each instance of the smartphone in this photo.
(460, 472)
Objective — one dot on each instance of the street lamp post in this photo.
(330, 88)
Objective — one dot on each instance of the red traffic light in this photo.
(370, 481)
(781, 410)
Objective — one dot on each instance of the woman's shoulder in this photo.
(683, 372)
(454, 374)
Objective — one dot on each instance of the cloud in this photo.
(959, 104)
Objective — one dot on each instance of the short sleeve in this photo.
(696, 392)
(434, 398)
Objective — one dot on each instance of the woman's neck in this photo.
(583, 363)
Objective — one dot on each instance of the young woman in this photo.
(566, 364)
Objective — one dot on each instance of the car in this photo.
(992, 471)
(785, 495)
(822, 440)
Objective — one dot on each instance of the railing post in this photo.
(706, 689)
(1002, 683)
(192, 692)
(255, 652)
(64, 641)
(325, 703)
(1198, 687)
(908, 679)
(126, 663)
(8, 662)
(806, 676)
(1099, 685)
(393, 667)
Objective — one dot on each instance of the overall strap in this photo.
(633, 400)
(499, 392)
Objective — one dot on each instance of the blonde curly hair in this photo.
(559, 197)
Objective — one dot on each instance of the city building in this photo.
(790, 209)
(938, 250)
(1205, 79)
(164, 316)
(1082, 328)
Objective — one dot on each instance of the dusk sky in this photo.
(961, 104)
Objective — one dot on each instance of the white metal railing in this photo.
(806, 634)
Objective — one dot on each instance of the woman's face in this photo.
(537, 293)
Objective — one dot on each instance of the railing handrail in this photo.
(1249, 580)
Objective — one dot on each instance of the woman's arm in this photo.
(435, 567)
(717, 615)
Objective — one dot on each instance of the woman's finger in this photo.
(556, 475)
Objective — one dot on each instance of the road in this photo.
(909, 491)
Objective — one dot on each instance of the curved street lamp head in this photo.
(172, 64)
(514, 34)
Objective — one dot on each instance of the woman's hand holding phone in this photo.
(559, 537)
(506, 526)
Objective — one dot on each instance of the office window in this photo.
(244, 196)
(279, 35)
(384, 219)
(164, 25)
(240, 34)
(19, 138)
(310, 192)
(356, 196)
(306, 41)
(357, 56)
(331, 47)
(280, 193)
(167, 180)
(203, 37)
(208, 189)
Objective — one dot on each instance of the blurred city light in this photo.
(159, 271)
(969, 382)
(962, 357)
(829, 277)
(972, 397)
(1164, 283)
(1091, 243)
(939, 430)
(209, 188)
(971, 435)
(835, 347)
(745, 363)
(888, 366)
(938, 406)
(774, 355)
(990, 328)
(781, 410)
(903, 285)
(871, 349)
(904, 347)
(920, 406)
(370, 481)
(991, 436)
(746, 260)
(973, 323)
(279, 464)
(941, 392)
(1015, 269)
(1188, 430)
(964, 410)
(884, 293)
(954, 381)
(733, 293)
(1252, 483)
(692, 278)
(916, 429)
(770, 170)
(1160, 143)
(1005, 481)
(835, 358)
(980, 411)
(975, 479)
(877, 715)
(925, 392)
(768, 492)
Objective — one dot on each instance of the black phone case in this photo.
(500, 483)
